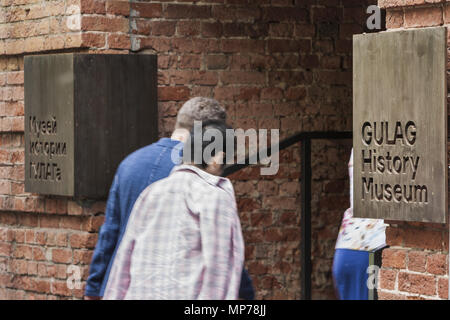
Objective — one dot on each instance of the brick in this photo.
(146, 10)
(189, 62)
(101, 23)
(417, 283)
(95, 207)
(391, 3)
(23, 251)
(199, 45)
(290, 14)
(62, 255)
(59, 238)
(29, 236)
(166, 61)
(423, 17)
(446, 13)
(5, 249)
(282, 45)
(394, 236)
(34, 44)
(289, 189)
(331, 62)
(226, 93)
(394, 19)
(247, 205)
(94, 223)
(390, 296)
(437, 264)
(284, 30)
(249, 93)
(182, 11)
(41, 286)
(119, 7)
(257, 268)
(49, 222)
(32, 268)
(57, 206)
(242, 77)
(73, 40)
(393, 258)
(271, 93)
(40, 237)
(387, 279)
(93, 40)
(61, 271)
(417, 261)
(214, 62)
(194, 77)
(274, 235)
(173, 93)
(236, 13)
(188, 28)
(19, 236)
(443, 288)
(90, 7)
(60, 288)
(73, 208)
(212, 29)
(160, 45)
(82, 256)
(85, 240)
(241, 62)
(234, 29)
(289, 219)
(39, 254)
(73, 223)
(162, 28)
(15, 77)
(259, 220)
(423, 238)
(19, 266)
(17, 124)
(119, 41)
(240, 45)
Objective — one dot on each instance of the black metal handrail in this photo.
(305, 181)
(289, 142)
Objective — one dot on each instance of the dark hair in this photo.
(218, 130)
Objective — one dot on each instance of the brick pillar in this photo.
(416, 264)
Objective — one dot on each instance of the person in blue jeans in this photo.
(137, 171)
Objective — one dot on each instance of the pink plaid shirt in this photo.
(183, 241)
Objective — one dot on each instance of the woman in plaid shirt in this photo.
(183, 239)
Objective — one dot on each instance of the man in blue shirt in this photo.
(135, 173)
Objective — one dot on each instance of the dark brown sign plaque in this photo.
(400, 125)
(83, 114)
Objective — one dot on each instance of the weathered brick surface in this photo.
(273, 64)
(422, 264)
(426, 245)
(394, 258)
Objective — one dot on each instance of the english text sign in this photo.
(400, 125)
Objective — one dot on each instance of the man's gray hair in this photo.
(199, 109)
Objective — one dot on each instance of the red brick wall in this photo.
(280, 64)
(416, 264)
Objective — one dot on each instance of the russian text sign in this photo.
(83, 114)
(400, 125)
